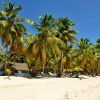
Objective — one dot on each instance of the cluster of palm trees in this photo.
(54, 46)
(86, 56)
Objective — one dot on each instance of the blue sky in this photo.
(85, 13)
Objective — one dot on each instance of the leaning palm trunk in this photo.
(61, 65)
(43, 57)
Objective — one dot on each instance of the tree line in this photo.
(54, 46)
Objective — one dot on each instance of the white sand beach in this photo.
(19, 88)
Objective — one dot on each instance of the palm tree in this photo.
(97, 52)
(45, 40)
(86, 55)
(66, 34)
(11, 28)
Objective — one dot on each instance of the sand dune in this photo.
(19, 88)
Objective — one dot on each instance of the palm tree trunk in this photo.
(61, 65)
(98, 67)
(48, 66)
(61, 62)
(43, 68)
(6, 58)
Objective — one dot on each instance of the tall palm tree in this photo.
(11, 28)
(45, 40)
(66, 34)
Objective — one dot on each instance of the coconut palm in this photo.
(45, 40)
(86, 55)
(97, 52)
(11, 28)
(66, 34)
(39, 49)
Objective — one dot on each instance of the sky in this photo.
(85, 14)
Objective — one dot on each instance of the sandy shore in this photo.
(19, 88)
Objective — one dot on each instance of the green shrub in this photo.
(8, 72)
